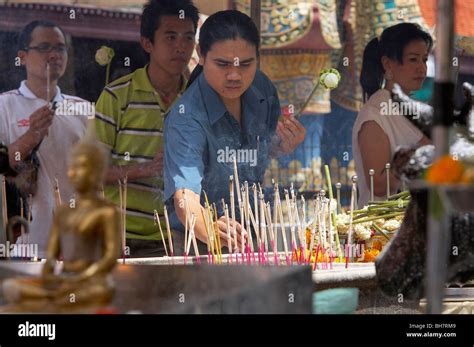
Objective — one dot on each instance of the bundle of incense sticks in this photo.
(309, 236)
(189, 233)
(192, 239)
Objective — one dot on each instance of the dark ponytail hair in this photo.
(391, 44)
(221, 26)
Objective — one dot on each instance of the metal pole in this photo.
(443, 94)
(439, 226)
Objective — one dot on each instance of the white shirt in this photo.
(16, 106)
(399, 130)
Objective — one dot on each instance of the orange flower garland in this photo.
(370, 255)
(445, 170)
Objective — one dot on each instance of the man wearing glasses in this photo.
(30, 127)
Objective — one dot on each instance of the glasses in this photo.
(62, 49)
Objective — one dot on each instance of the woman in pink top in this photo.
(400, 57)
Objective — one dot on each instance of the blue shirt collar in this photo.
(252, 100)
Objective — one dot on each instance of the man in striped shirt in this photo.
(130, 115)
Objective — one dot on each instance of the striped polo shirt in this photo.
(129, 121)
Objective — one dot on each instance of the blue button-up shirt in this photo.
(202, 137)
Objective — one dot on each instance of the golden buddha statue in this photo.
(85, 236)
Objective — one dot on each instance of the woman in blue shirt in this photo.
(231, 110)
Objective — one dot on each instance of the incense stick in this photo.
(292, 224)
(124, 231)
(229, 240)
(48, 82)
(121, 217)
(248, 209)
(264, 236)
(218, 235)
(351, 216)
(338, 197)
(237, 184)
(57, 193)
(332, 220)
(275, 213)
(270, 225)
(283, 228)
(206, 227)
(4, 204)
(30, 206)
(242, 223)
(263, 227)
(330, 233)
(196, 248)
(157, 218)
(191, 231)
(323, 218)
(211, 224)
(300, 232)
(313, 231)
(257, 222)
(210, 228)
(232, 211)
(185, 222)
(168, 231)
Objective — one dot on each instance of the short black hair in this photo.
(155, 9)
(25, 34)
(222, 26)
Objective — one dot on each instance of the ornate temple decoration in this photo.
(297, 40)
